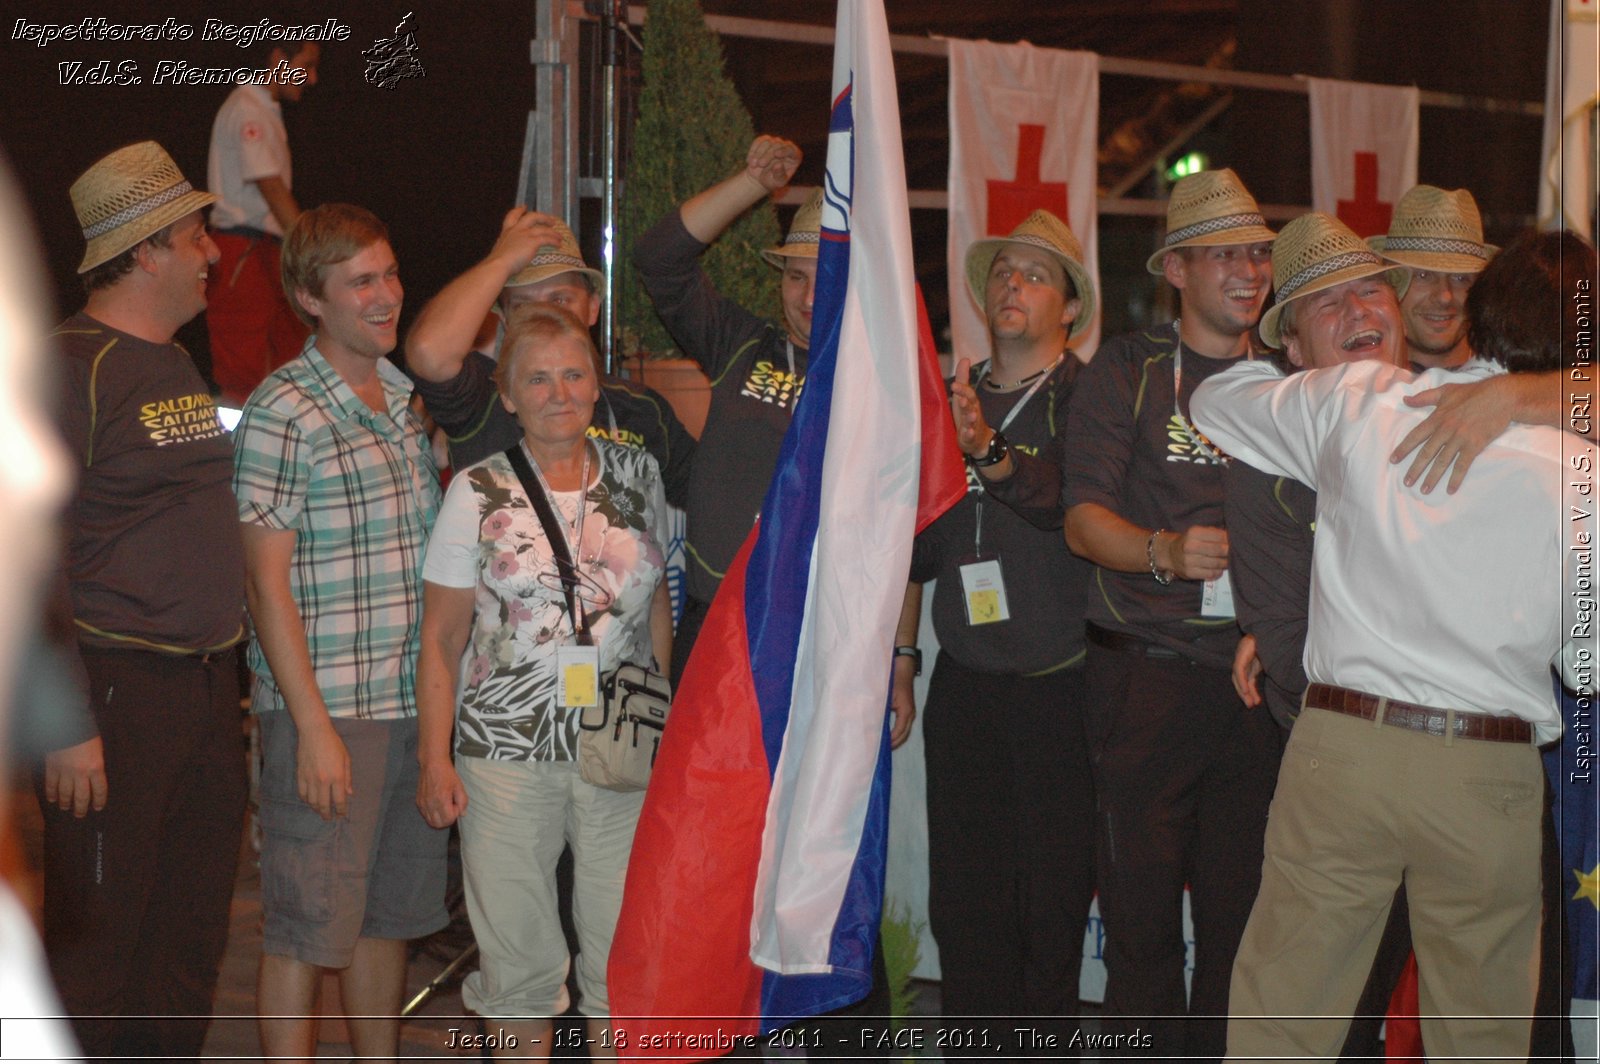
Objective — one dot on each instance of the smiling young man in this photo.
(1436, 238)
(337, 490)
(142, 812)
(757, 367)
(1183, 771)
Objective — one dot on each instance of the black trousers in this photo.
(1183, 777)
(136, 896)
(1010, 852)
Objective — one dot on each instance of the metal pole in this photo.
(613, 25)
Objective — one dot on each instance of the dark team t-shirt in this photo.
(1044, 582)
(1128, 449)
(154, 556)
(1272, 522)
(756, 378)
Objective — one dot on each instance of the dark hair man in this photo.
(143, 815)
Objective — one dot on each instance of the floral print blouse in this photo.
(488, 537)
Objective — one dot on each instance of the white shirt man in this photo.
(1433, 622)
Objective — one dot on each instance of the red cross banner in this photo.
(1023, 135)
(1363, 151)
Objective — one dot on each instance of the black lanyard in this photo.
(533, 486)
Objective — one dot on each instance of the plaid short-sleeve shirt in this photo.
(361, 490)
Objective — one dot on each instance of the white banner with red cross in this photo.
(1023, 135)
(1363, 151)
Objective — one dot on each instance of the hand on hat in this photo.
(772, 162)
(522, 234)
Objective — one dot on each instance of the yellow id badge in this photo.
(578, 677)
(983, 589)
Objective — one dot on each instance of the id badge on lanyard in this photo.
(577, 664)
(578, 676)
(983, 584)
(983, 589)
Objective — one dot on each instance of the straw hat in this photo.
(129, 195)
(1210, 209)
(804, 232)
(555, 259)
(1434, 229)
(1314, 252)
(1043, 230)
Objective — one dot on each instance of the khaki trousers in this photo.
(1359, 807)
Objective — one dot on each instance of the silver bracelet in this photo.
(1163, 577)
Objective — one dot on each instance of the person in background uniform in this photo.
(757, 370)
(1436, 238)
(757, 367)
(253, 329)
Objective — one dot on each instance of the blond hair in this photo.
(319, 240)
(536, 324)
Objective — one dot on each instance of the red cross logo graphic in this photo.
(1366, 214)
(1012, 201)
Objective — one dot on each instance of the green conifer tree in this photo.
(692, 131)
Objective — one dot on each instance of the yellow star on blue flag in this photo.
(1588, 885)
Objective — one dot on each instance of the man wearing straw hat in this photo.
(451, 351)
(143, 815)
(1271, 525)
(1414, 756)
(1436, 237)
(1010, 803)
(1183, 771)
(757, 367)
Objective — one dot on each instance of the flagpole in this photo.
(613, 25)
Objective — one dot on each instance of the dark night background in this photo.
(438, 157)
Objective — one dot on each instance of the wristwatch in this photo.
(997, 452)
(914, 653)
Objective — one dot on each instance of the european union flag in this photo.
(1574, 794)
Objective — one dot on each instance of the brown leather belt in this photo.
(1419, 718)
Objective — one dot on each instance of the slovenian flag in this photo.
(755, 887)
